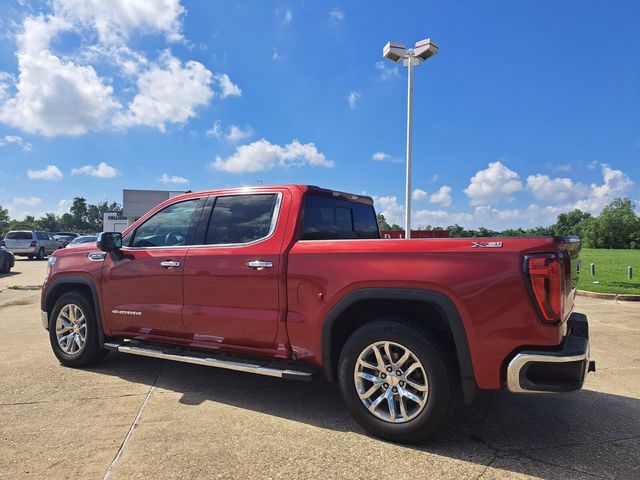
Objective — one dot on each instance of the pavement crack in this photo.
(133, 426)
(66, 400)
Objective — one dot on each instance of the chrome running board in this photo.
(275, 368)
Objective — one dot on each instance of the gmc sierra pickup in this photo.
(289, 281)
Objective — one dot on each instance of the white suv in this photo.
(32, 244)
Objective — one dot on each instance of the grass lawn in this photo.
(611, 271)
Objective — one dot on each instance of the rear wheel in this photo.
(5, 266)
(40, 255)
(395, 380)
(73, 331)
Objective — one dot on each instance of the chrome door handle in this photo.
(259, 265)
(169, 264)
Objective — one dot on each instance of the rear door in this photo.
(142, 289)
(232, 281)
(18, 240)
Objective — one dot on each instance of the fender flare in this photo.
(76, 280)
(441, 302)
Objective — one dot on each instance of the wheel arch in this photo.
(445, 308)
(62, 285)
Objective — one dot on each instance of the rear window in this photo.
(336, 219)
(19, 236)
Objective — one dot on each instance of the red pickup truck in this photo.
(293, 280)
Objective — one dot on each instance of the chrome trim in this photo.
(259, 265)
(522, 358)
(212, 362)
(169, 263)
(96, 256)
(44, 318)
(272, 227)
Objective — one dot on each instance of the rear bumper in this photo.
(25, 251)
(561, 370)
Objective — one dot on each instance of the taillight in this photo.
(34, 244)
(546, 278)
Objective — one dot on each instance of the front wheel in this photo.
(395, 380)
(73, 331)
(40, 255)
(5, 266)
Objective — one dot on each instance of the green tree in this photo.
(4, 218)
(617, 226)
(49, 222)
(382, 222)
(570, 223)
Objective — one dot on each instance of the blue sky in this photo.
(529, 109)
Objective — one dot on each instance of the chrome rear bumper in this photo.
(554, 371)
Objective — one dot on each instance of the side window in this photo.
(334, 219)
(42, 236)
(241, 218)
(169, 227)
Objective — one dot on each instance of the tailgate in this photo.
(570, 246)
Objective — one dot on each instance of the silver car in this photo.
(32, 244)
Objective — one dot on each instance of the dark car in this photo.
(7, 260)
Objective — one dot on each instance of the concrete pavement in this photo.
(188, 421)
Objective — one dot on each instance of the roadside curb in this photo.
(609, 296)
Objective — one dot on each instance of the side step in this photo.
(271, 368)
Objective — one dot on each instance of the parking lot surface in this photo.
(133, 417)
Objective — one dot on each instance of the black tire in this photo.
(91, 352)
(40, 255)
(436, 364)
(4, 266)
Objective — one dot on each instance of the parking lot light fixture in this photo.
(412, 57)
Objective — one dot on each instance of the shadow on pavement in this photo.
(559, 436)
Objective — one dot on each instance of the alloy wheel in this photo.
(71, 329)
(391, 382)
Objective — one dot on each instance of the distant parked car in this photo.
(7, 260)
(64, 238)
(32, 244)
(82, 239)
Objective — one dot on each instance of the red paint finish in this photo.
(215, 301)
(141, 296)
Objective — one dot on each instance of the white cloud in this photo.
(64, 95)
(116, 20)
(263, 155)
(616, 183)
(387, 71)
(27, 201)
(352, 98)
(14, 139)
(101, 171)
(419, 194)
(337, 14)
(389, 207)
(168, 93)
(54, 96)
(438, 218)
(286, 16)
(173, 179)
(442, 196)
(276, 55)
(384, 157)
(215, 130)
(229, 89)
(493, 184)
(50, 173)
(554, 189)
(236, 134)
(63, 206)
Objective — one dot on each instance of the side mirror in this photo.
(109, 241)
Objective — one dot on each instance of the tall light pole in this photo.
(410, 58)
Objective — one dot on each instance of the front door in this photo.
(232, 282)
(142, 287)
